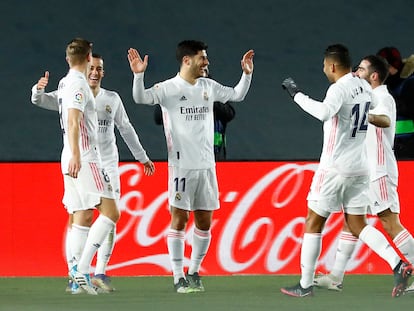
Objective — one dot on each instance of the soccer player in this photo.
(187, 105)
(111, 113)
(86, 182)
(384, 200)
(223, 114)
(342, 178)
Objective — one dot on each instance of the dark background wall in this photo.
(288, 38)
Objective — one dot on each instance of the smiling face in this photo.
(95, 73)
(197, 64)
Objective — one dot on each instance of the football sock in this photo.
(68, 251)
(105, 252)
(405, 243)
(201, 242)
(379, 244)
(346, 246)
(97, 234)
(78, 236)
(311, 249)
(175, 243)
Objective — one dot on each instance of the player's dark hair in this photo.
(339, 54)
(379, 65)
(189, 48)
(96, 55)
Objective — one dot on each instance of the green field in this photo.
(361, 292)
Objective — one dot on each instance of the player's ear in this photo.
(186, 60)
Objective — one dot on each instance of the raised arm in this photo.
(241, 89)
(138, 67)
(315, 108)
(247, 62)
(136, 63)
(40, 98)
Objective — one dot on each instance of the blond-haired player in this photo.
(86, 182)
(111, 113)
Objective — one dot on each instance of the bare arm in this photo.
(74, 118)
(379, 120)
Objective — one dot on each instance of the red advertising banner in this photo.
(257, 230)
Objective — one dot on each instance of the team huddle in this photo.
(357, 172)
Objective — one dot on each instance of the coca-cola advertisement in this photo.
(257, 230)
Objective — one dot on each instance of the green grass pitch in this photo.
(227, 293)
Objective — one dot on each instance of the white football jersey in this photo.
(188, 115)
(380, 141)
(111, 111)
(346, 107)
(74, 93)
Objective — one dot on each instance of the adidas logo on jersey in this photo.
(376, 203)
(183, 98)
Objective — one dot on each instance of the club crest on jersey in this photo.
(79, 97)
(205, 96)
(108, 109)
(177, 197)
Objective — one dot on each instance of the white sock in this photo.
(346, 246)
(105, 252)
(379, 244)
(175, 243)
(97, 234)
(68, 251)
(201, 242)
(405, 243)
(78, 237)
(311, 249)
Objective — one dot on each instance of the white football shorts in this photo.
(113, 173)
(383, 195)
(332, 193)
(86, 191)
(192, 190)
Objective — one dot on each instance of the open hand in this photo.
(135, 61)
(247, 62)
